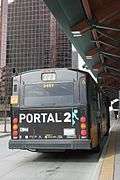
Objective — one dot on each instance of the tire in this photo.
(97, 149)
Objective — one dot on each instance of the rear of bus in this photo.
(49, 111)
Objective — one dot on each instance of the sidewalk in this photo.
(117, 153)
(8, 127)
(110, 164)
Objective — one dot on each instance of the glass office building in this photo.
(33, 40)
(34, 37)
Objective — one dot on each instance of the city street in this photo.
(59, 90)
(23, 165)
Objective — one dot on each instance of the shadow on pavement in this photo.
(67, 156)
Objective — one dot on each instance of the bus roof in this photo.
(54, 69)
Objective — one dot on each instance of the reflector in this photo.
(83, 119)
(15, 121)
(83, 126)
(15, 133)
(83, 132)
(14, 100)
(15, 127)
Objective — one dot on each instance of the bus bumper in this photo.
(50, 144)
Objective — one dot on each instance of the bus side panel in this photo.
(93, 111)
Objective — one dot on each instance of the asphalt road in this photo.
(25, 165)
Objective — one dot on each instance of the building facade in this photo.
(34, 37)
(31, 39)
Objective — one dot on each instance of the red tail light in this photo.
(83, 132)
(15, 128)
(15, 134)
(15, 121)
(83, 119)
(83, 127)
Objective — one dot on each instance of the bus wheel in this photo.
(98, 147)
(107, 133)
(108, 128)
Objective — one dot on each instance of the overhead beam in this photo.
(107, 36)
(87, 8)
(102, 14)
(110, 54)
(81, 26)
(115, 74)
(108, 87)
(90, 17)
(110, 80)
(113, 69)
(107, 10)
(97, 66)
(112, 64)
(111, 59)
(106, 44)
(105, 27)
(108, 75)
(92, 52)
(84, 26)
(105, 64)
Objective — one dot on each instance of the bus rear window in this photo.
(48, 94)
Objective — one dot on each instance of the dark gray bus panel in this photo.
(56, 109)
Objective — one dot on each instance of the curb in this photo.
(102, 156)
(4, 135)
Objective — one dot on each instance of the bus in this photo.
(57, 109)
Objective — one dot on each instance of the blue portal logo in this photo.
(75, 116)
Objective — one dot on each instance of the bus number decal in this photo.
(68, 117)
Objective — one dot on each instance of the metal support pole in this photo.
(106, 44)
(5, 118)
(113, 69)
(108, 36)
(5, 123)
(109, 54)
(105, 27)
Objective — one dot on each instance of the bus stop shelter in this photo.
(93, 26)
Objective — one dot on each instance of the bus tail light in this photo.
(15, 134)
(15, 128)
(83, 119)
(83, 127)
(83, 133)
(15, 121)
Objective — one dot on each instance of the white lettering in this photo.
(22, 129)
(50, 118)
(44, 115)
(29, 118)
(68, 117)
(21, 117)
(37, 118)
(56, 118)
